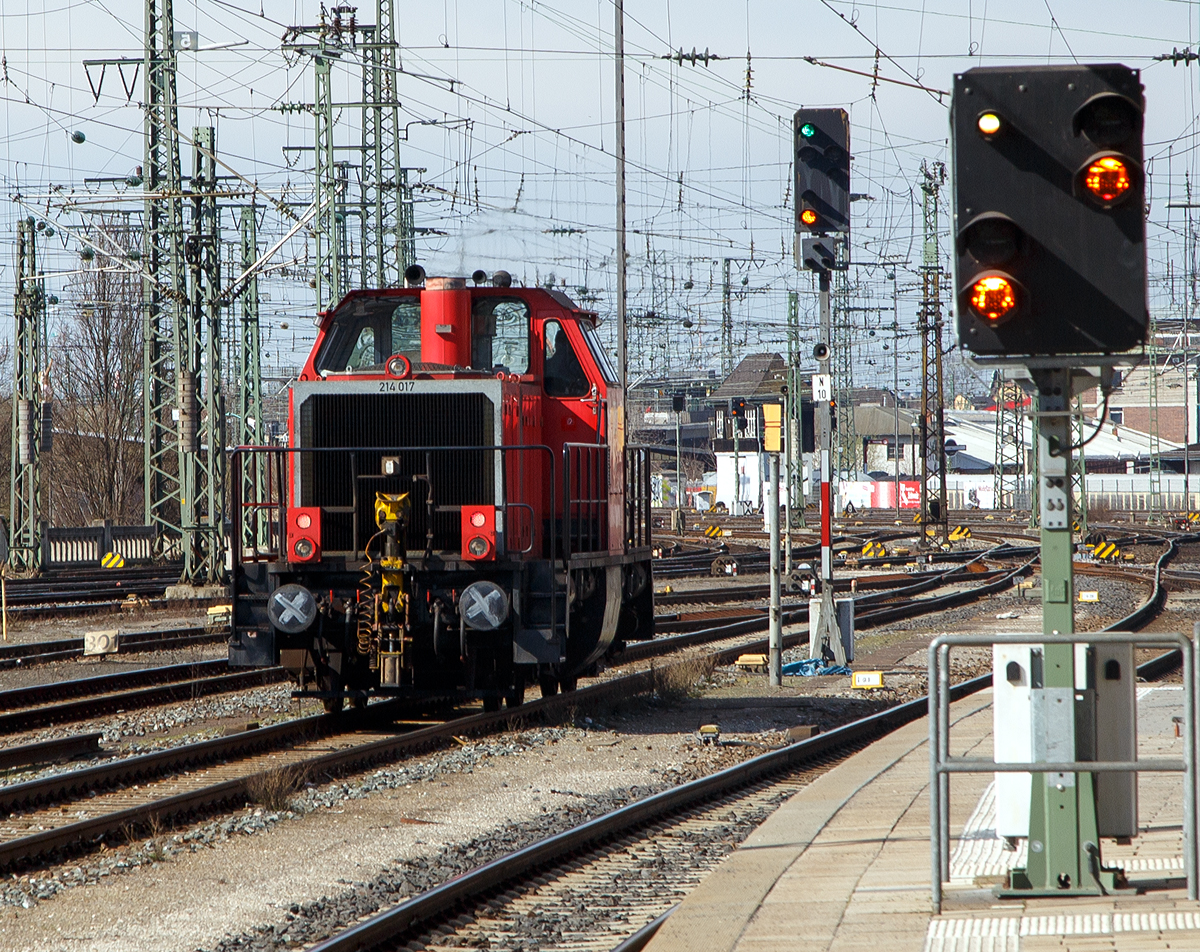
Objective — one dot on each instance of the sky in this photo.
(508, 110)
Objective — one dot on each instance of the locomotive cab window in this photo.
(500, 335)
(562, 372)
(368, 330)
(599, 354)
(362, 355)
(406, 330)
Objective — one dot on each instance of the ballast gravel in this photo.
(246, 880)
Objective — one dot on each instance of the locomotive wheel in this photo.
(491, 704)
(569, 684)
(549, 684)
(515, 696)
(332, 705)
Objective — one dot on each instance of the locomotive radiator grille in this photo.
(349, 481)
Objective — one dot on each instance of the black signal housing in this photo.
(1053, 199)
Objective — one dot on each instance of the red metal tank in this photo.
(446, 322)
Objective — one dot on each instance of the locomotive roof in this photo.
(559, 297)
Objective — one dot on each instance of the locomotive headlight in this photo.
(303, 548)
(478, 546)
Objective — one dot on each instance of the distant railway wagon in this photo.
(456, 510)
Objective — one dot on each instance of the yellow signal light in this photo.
(993, 297)
(1107, 179)
(989, 123)
(809, 217)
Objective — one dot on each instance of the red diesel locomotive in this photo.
(455, 510)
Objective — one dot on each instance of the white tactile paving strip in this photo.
(980, 852)
(1004, 934)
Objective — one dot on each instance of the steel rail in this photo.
(55, 691)
(176, 690)
(390, 927)
(50, 751)
(36, 652)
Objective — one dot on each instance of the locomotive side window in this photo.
(363, 354)
(406, 330)
(562, 372)
(500, 335)
(599, 354)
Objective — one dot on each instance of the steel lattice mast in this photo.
(1009, 471)
(933, 420)
(25, 487)
(250, 403)
(386, 229)
(326, 226)
(848, 448)
(165, 290)
(201, 403)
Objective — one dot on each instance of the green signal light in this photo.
(808, 130)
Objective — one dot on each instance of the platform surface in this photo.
(844, 865)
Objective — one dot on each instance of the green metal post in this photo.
(1079, 473)
(327, 228)
(1064, 850)
(201, 401)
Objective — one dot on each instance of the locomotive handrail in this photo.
(532, 516)
(574, 530)
(238, 454)
(353, 451)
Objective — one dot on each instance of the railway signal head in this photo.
(1049, 222)
(822, 162)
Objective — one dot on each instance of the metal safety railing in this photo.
(942, 765)
(80, 546)
(586, 485)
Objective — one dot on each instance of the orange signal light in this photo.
(1107, 179)
(809, 217)
(993, 297)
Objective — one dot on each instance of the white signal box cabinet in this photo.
(1105, 729)
(1012, 730)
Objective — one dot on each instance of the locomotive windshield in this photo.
(500, 335)
(370, 332)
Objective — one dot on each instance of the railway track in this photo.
(74, 809)
(61, 702)
(65, 701)
(615, 877)
(63, 649)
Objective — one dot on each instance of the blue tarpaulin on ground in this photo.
(813, 666)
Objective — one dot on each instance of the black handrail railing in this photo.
(585, 498)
